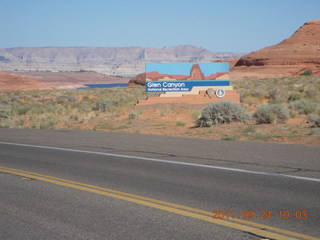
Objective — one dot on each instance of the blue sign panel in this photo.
(182, 86)
(182, 77)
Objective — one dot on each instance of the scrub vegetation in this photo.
(273, 110)
(48, 109)
(222, 112)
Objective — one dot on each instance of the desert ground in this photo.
(115, 109)
(15, 80)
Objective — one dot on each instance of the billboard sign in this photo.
(183, 77)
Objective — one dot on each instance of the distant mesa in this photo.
(115, 61)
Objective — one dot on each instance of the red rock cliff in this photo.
(302, 50)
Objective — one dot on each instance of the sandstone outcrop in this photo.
(140, 79)
(293, 56)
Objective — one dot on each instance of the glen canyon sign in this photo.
(190, 83)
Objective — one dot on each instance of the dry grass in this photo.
(115, 110)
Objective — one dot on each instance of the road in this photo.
(63, 184)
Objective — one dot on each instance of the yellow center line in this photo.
(243, 225)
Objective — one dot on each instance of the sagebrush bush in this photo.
(311, 92)
(5, 113)
(65, 99)
(164, 111)
(22, 110)
(294, 97)
(105, 105)
(277, 95)
(222, 112)
(303, 106)
(132, 115)
(306, 73)
(271, 113)
(312, 118)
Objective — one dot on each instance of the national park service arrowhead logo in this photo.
(210, 92)
(220, 93)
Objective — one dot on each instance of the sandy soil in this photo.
(11, 81)
(179, 120)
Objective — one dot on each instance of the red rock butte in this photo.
(291, 57)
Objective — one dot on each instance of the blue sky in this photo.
(185, 68)
(225, 25)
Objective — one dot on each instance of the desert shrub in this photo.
(86, 98)
(14, 98)
(294, 97)
(164, 111)
(105, 105)
(4, 101)
(83, 107)
(195, 114)
(317, 123)
(303, 106)
(312, 118)
(42, 100)
(49, 125)
(4, 113)
(228, 138)
(276, 95)
(311, 92)
(222, 112)
(23, 110)
(271, 113)
(259, 93)
(132, 115)
(293, 112)
(65, 99)
(180, 124)
(250, 99)
(306, 73)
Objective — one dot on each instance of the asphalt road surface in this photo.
(63, 184)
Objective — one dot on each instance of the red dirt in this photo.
(12, 82)
(163, 119)
(52, 80)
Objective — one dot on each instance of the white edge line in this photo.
(164, 161)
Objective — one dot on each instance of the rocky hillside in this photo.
(107, 60)
(292, 56)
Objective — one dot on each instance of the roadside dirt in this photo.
(179, 120)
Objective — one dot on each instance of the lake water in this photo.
(102, 85)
